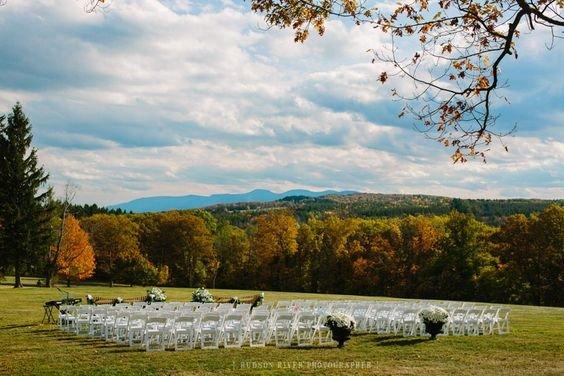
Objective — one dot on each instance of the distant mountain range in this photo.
(164, 203)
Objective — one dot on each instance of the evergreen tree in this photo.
(24, 210)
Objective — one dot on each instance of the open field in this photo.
(535, 346)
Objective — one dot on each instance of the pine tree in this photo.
(24, 197)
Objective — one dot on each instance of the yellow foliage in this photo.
(76, 256)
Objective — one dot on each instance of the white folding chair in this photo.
(372, 318)
(383, 320)
(257, 328)
(123, 306)
(487, 321)
(233, 329)
(136, 329)
(120, 326)
(303, 329)
(63, 310)
(502, 321)
(243, 307)
(156, 333)
(395, 319)
(283, 304)
(210, 330)
(206, 307)
(191, 306)
(186, 328)
(360, 315)
(67, 317)
(283, 326)
(321, 332)
(96, 324)
(108, 323)
(224, 308)
(82, 321)
(457, 321)
(472, 321)
(410, 322)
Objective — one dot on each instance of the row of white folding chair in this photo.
(375, 317)
(302, 328)
(231, 329)
(188, 330)
(124, 325)
(141, 327)
(88, 319)
(397, 316)
(479, 321)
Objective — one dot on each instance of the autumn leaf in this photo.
(483, 82)
(383, 77)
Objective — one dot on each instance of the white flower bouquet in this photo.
(117, 300)
(202, 295)
(434, 318)
(340, 320)
(341, 326)
(434, 314)
(155, 294)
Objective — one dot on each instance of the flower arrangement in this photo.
(90, 299)
(341, 326)
(202, 295)
(434, 318)
(117, 300)
(155, 294)
(234, 300)
(259, 301)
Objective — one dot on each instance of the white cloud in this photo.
(151, 99)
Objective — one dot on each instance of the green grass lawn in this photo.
(535, 346)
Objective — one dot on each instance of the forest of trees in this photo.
(447, 256)
(453, 256)
(374, 205)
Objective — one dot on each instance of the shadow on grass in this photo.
(48, 331)
(8, 327)
(327, 347)
(388, 337)
(401, 341)
(121, 349)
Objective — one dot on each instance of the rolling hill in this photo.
(164, 203)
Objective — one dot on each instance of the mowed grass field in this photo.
(535, 346)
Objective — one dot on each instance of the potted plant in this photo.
(341, 326)
(155, 294)
(259, 300)
(117, 300)
(90, 299)
(434, 319)
(202, 295)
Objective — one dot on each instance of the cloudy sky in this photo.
(179, 96)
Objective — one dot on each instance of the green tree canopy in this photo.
(24, 210)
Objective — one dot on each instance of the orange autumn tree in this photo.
(76, 257)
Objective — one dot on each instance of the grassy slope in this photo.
(536, 345)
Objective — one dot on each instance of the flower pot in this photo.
(341, 335)
(433, 328)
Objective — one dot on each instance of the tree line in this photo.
(369, 205)
(449, 256)
(452, 256)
